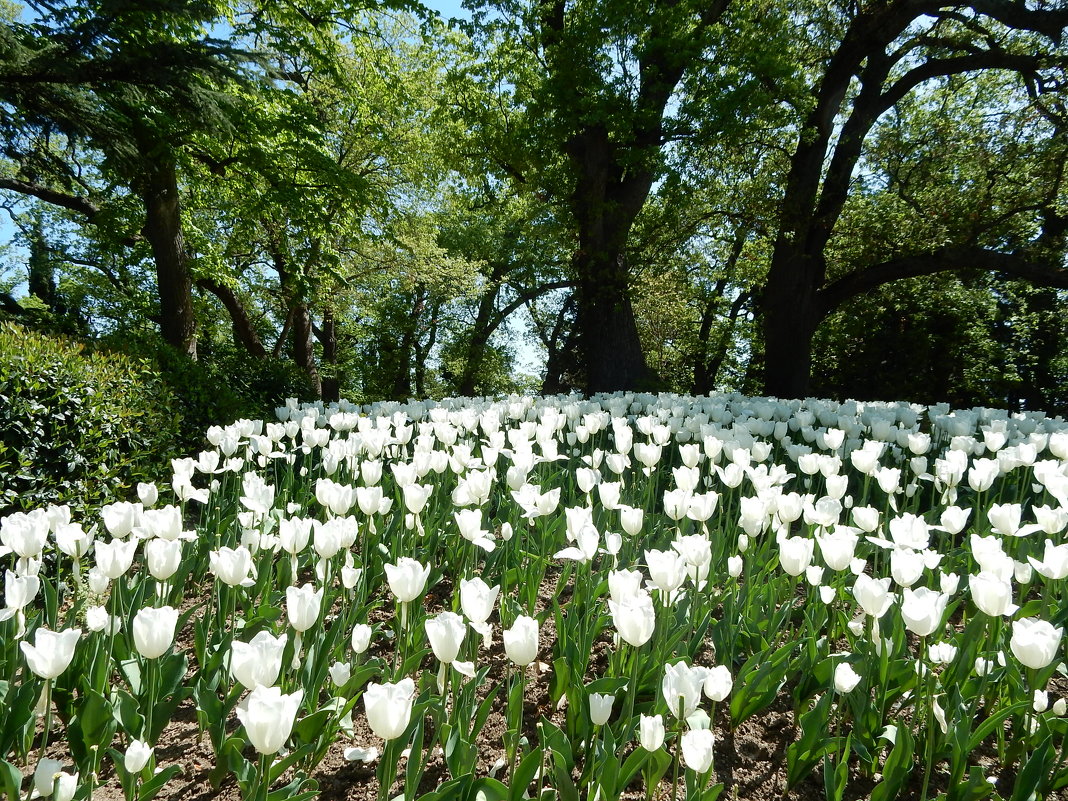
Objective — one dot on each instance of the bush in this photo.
(78, 426)
(223, 386)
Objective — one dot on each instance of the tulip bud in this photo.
(361, 638)
(153, 630)
(651, 732)
(601, 708)
(258, 662)
(268, 716)
(136, 757)
(389, 707)
(446, 634)
(697, 749)
(1035, 642)
(51, 652)
(845, 678)
(521, 641)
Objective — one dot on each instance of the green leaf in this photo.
(524, 774)
(1029, 783)
(803, 755)
(897, 767)
(150, 788)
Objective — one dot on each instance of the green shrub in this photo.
(223, 386)
(78, 426)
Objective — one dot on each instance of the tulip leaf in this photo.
(131, 671)
(803, 755)
(10, 780)
(452, 790)
(413, 771)
(977, 788)
(127, 712)
(994, 722)
(93, 726)
(150, 788)
(310, 727)
(524, 775)
(300, 789)
(18, 713)
(897, 767)
(1030, 780)
(292, 758)
(489, 789)
(565, 786)
(759, 682)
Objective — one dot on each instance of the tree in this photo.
(131, 81)
(601, 84)
(880, 54)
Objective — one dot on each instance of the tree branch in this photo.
(53, 196)
(1040, 269)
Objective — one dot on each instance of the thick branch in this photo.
(244, 332)
(1047, 271)
(53, 196)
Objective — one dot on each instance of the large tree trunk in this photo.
(611, 349)
(331, 382)
(605, 202)
(163, 229)
(480, 334)
(791, 316)
(304, 347)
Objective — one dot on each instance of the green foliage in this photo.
(967, 341)
(77, 426)
(221, 387)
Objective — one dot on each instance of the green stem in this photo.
(48, 718)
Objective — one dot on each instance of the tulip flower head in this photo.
(446, 634)
(697, 750)
(651, 732)
(922, 610)
(601, 708)
(407, 578)
(1035, 642)
(51, 652)
(521, 641)
(136, 757)
(268, 716)
(257, 663)
(302, 606)
(634, 618)
(389, 707)
(153, 630)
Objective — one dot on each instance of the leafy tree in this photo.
(877, 57)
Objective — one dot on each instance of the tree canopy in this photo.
(778, 196)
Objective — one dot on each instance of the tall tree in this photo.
(880, 54)
(133, 81)
(608, 86)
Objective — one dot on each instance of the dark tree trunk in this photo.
(298, 315)
(605, 202)
(791, 316)
(303, 346)
(480, 334)
(163, 229)
(244, 331)
(331, 382)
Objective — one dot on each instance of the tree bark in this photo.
(605, 204)
(331, 382)
(244, 331)
(163, 229)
